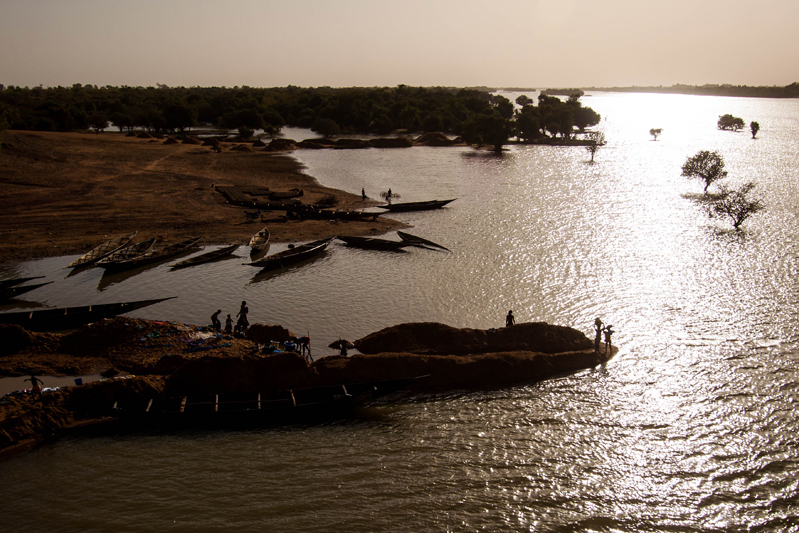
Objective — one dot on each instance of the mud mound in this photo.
(15, 338)
(99, 396)
(144, 135)
(191, 140)
(211, 375)
(352, 143)
(397, 142)
(264, 334)
(258, 143)
(281, 144)
(242, 148)
(434, 139)
(100, 337)
(211, 141)
(435, 338)
(171, 140)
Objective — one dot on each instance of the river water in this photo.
(690, 428)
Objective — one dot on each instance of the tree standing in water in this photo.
(755, 127)
(735, 204)
(705, 165)
(655, 132)
(597, 139)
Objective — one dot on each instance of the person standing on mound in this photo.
(510, 319)
(243, 323)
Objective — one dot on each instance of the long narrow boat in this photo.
(418, 241)
(207, 257)
(164, 253)
(127, 253)
(6, 293)
(103, 250)
(16, 281)
(416, 206)
(255, 409)
(72, 317)
(374, 243)
(260, 240)
(292, 255)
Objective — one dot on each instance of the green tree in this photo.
(729, 122)
(655, 133)
(705, 165)
(755, 127)
(326, 127)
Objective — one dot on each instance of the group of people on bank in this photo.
(241, 323)
(598, 327)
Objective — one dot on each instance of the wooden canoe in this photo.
(260, 240)
(207, 257)
(6, 293)
(104, 250)
(416, 206)
(16, 281)
(127, 253)
(292, 255)
(164, 253)
(418, 241)
(62, 318)
(374, 243)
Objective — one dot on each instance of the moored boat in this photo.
(61, 318)
(148, 258)
(374, 243)
(292, 255)
(127, 253)
(16, 281)
(418, 241)
(207, 257)
(6, 293)
(104, 250)
(416, 206)
(260, 240)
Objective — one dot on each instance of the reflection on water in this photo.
(691, 428)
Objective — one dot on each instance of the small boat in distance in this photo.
(166, 252)
(260, 240)
(416, 206)
(127, 253)
(104, 250)
(207, 257)
(292, 255)
(55, 319)
(418, 241)
(374, 243)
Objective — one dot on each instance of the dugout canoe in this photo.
(127, 253)
(292, 255)
(418, 241)
(148, 258)
(374, 243)
(260, 240)
(61, 318)
(416, 206)
(207, 257)
(7, 293)
(104, 250)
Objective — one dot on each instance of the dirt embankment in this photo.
(172, 359)
(63, 193)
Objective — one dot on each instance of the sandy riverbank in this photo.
(63, 193)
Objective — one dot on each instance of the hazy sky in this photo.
(513, 43)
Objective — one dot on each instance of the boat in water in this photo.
(167, 252)
(55, 319)
(207, 257)
(104, 250)
(127, 253)
(9, 292)
(374, 243)
(416, 206)
(260, 240)
(418, 241)
(292, 255)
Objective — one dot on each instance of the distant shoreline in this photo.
(762, 91)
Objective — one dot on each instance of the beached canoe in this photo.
(167, 252)
(16, 281)
(418, 241)
(260, 240)
(207, 257)
(6, 293)
(55, 319)
(373, 243)
(292, 255)
(104, 250)
(416, 206)
(127, 253)
(255, 409)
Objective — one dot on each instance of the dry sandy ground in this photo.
(64, 193)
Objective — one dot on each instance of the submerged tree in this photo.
(597, 139)
(655, 132)
(729, 122)
(735, 204)
(755, 127)
(705, 165)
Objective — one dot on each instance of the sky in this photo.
(345, 43)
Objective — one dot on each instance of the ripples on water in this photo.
(690, 428)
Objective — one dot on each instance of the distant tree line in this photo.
(788, 91)
(476, 115)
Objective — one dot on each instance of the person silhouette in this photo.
(510, 319)
(598, 328)
(608, 332)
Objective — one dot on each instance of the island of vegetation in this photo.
(788, 91)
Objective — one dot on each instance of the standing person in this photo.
(598, 328)
(510, 319)
(228, 325)
(608, 333)
(36, 384)
(243, 323)
(215, 320)
(363, 193)
(388, 195)
(305, 346)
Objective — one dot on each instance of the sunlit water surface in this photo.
(691, 428)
